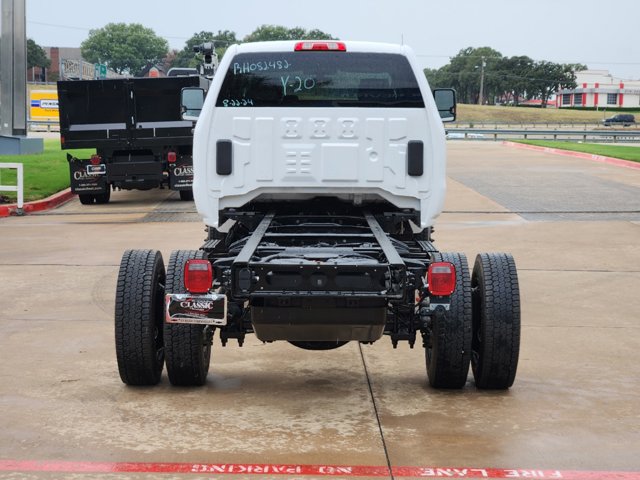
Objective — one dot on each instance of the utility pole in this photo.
(13, 81)
(480, 98)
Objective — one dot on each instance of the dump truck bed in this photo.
(123, 113)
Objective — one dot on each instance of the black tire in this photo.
(86, 198)
(496, 321)
(103, 198)
(448, 340)
(138, 317)
(186, 195)
(187, 347)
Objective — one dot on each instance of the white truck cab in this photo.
(324, 164)
(291, 121)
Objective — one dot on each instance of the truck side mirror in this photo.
(446, 103)
(191, 101)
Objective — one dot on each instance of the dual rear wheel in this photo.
(97, 198)
(103, 198)
(144, 341)
(481, 327)
(495, 345)
(187, 347)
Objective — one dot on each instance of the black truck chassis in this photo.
(93, 179)
(319, 279)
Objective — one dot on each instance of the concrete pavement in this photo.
(573, 405)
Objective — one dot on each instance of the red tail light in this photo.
(95, 159)
(322, 46)
(441, 278)
(198, 276)
(172, 157)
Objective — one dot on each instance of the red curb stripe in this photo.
(38, 205)
(569, 153)
(22, 466)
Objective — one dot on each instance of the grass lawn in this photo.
(44, 174)
(615, 151)
(504, 114)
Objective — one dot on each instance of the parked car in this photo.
(625, 119)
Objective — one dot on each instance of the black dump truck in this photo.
(136, 126)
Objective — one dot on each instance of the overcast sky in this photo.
(600, 34)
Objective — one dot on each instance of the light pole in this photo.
(481, 96)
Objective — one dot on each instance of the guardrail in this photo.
(19, 188)
(43, 125)
(535, 125)
(614, 136)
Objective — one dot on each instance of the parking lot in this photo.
(573, 227)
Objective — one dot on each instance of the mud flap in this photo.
(87, 178)
(181, 174)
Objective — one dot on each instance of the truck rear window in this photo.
(320, 79)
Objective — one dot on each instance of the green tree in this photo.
(36, 56)
(516, 75)
(549, 77)
(432, 77)
(266, 33)
(125, 48)
(439, 78)
(464, 73)
(223, 40)
(316, 34)
(510, 78)
(188, 58)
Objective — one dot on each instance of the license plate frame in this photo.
(100, 169)
(204, 309)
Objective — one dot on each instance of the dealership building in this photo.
(598, 88)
